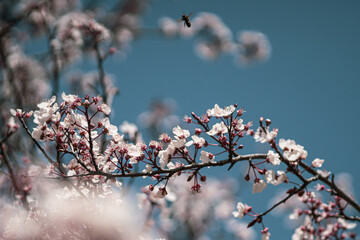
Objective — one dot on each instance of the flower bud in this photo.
(112, 50)
(190, 177)
(162, 192)
(251, 223)
(197, 131)
(203, 178)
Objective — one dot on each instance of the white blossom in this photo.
(273, 158)
(129, 128)
(265, 136)
(292, 151)
(197, 141)
(69, 99)
(181, 133)
(218, 128)
(296, 214)
(254, 46)
(241, 208)
(220, 112)
(47, 111)
(135, 152)
(109, 128)
(239, 124)
(317, 162)
(207, 157)
(259, 186)
(346, 225)
(168, 26)
(105, 108)
(265, 236)
(164, 158)
(275, 179)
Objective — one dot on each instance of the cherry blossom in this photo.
(181, 133)
(220, 112)
(317, 162)
(273, 158)
(207, 157)
(275, 179)
(265, 136)
(259, 186)
(198, 142)
(265, 234)
(254, 46)
(129, 128)
(242, 209)
(292, 151)
(217, 129)
(108, 127)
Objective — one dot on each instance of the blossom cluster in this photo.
(75, 127)
(216, 38)
(92, 150)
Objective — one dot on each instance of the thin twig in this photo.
(35, 141)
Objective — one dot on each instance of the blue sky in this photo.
(309, 87)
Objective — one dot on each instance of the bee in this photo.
(186, 19)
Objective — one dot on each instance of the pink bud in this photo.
(203, 178)
(112, 50)
(197, 131)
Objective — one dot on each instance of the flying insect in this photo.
(186, 19)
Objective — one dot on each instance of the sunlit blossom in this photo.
(217, 129)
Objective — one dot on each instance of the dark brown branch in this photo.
(93, 159)
(332, 185)
(175, 170)
(302, 187)
(310, 170)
